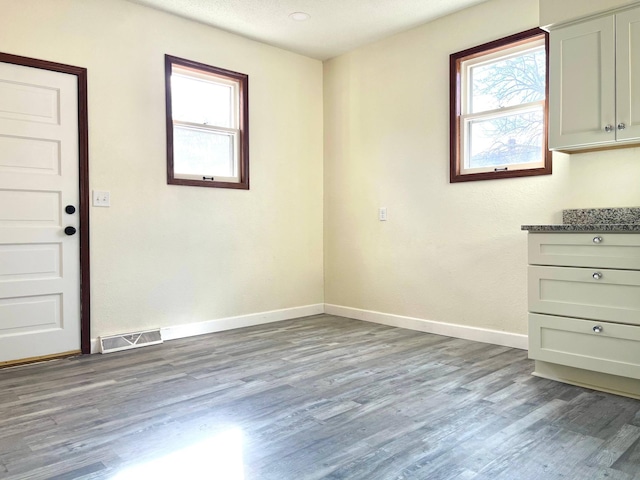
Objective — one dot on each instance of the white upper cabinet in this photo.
(628, 75)
(594, 68)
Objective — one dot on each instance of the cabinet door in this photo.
(628, 74)
(582, 84)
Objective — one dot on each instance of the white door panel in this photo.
(29, 208)
(39, 263)
(22, 99)
(29, 314)
(29, 155)
(29, 262)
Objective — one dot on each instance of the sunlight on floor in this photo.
(219, 457)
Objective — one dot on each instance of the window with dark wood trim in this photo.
(207, 118)
(499, 109)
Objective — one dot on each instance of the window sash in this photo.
(466, 143)
(233, 154)
(500, 54)
(215, 80)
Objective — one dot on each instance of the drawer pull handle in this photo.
(597, 239)
(597, 329)
(597, 276)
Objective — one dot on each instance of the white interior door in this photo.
(39, 179)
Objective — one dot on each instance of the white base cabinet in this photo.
(583, 314)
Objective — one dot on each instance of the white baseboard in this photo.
(230, 323)
(448, 329)
(495, 337)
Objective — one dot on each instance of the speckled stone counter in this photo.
(589, 227)
(601, 216)
(623, 220)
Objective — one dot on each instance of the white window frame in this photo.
(239, 123)
(467, 117)
(462, 64)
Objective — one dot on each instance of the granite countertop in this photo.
(594, 220)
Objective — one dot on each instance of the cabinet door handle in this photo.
(597, 239)
(621, 126)
(597, 276)
(608, 128)
(597, 329)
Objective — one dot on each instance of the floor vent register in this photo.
(127, 341)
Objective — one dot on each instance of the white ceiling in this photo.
(335, 26)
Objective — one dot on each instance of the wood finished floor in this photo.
(317, 398)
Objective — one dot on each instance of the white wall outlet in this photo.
(101, 198)
(382, 214)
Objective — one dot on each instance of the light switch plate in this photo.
(101, 198)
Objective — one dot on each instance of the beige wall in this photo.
(558, 11)
(167, 255)
(449, 252)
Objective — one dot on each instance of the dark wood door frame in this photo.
(83, 167)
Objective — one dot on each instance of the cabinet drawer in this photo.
(609, 250)
(572, 342)
(574, 292)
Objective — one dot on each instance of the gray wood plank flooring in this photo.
(322, 397)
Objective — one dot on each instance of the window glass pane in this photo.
(199, 101)
(508, 81)
(202, 152)
(508, 140)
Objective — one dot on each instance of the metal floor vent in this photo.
(127, 341)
